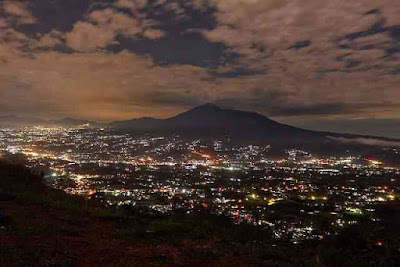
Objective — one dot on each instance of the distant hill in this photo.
(13, 121)
(73, 122)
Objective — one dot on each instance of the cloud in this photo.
(87, 37)
(95, 85)
(153, 34)
(296, 24)
(366, 141)
(51, 39)
(19, 11)
(168, 31)
(100, 32)
(374, 127)
(133, 5)
(125, 58)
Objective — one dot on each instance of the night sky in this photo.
(329, 65)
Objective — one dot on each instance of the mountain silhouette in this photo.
(211, 120)
(12, 120)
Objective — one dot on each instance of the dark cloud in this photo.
(314, 109)
(255, 98)
(392, 51)
(267, 101)
(300, 44)
(366, 141)
(344, 46)
(374, 127)
(395, 71)
(183, 99)
(356, 40)
(342, 57)
(62, 48)
(389, 46)
(350, 63)
(376, 28)
(373, 11)
(327, 109)
(394, 32)
(260, 46)
(239, 72)
(378, 37)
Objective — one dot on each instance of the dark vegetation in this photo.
(40, 226)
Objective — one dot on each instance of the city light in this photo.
(165, 173)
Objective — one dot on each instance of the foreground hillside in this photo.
(40, 226)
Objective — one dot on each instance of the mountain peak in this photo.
(208, 106)
(209, 119)
(207, 111)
